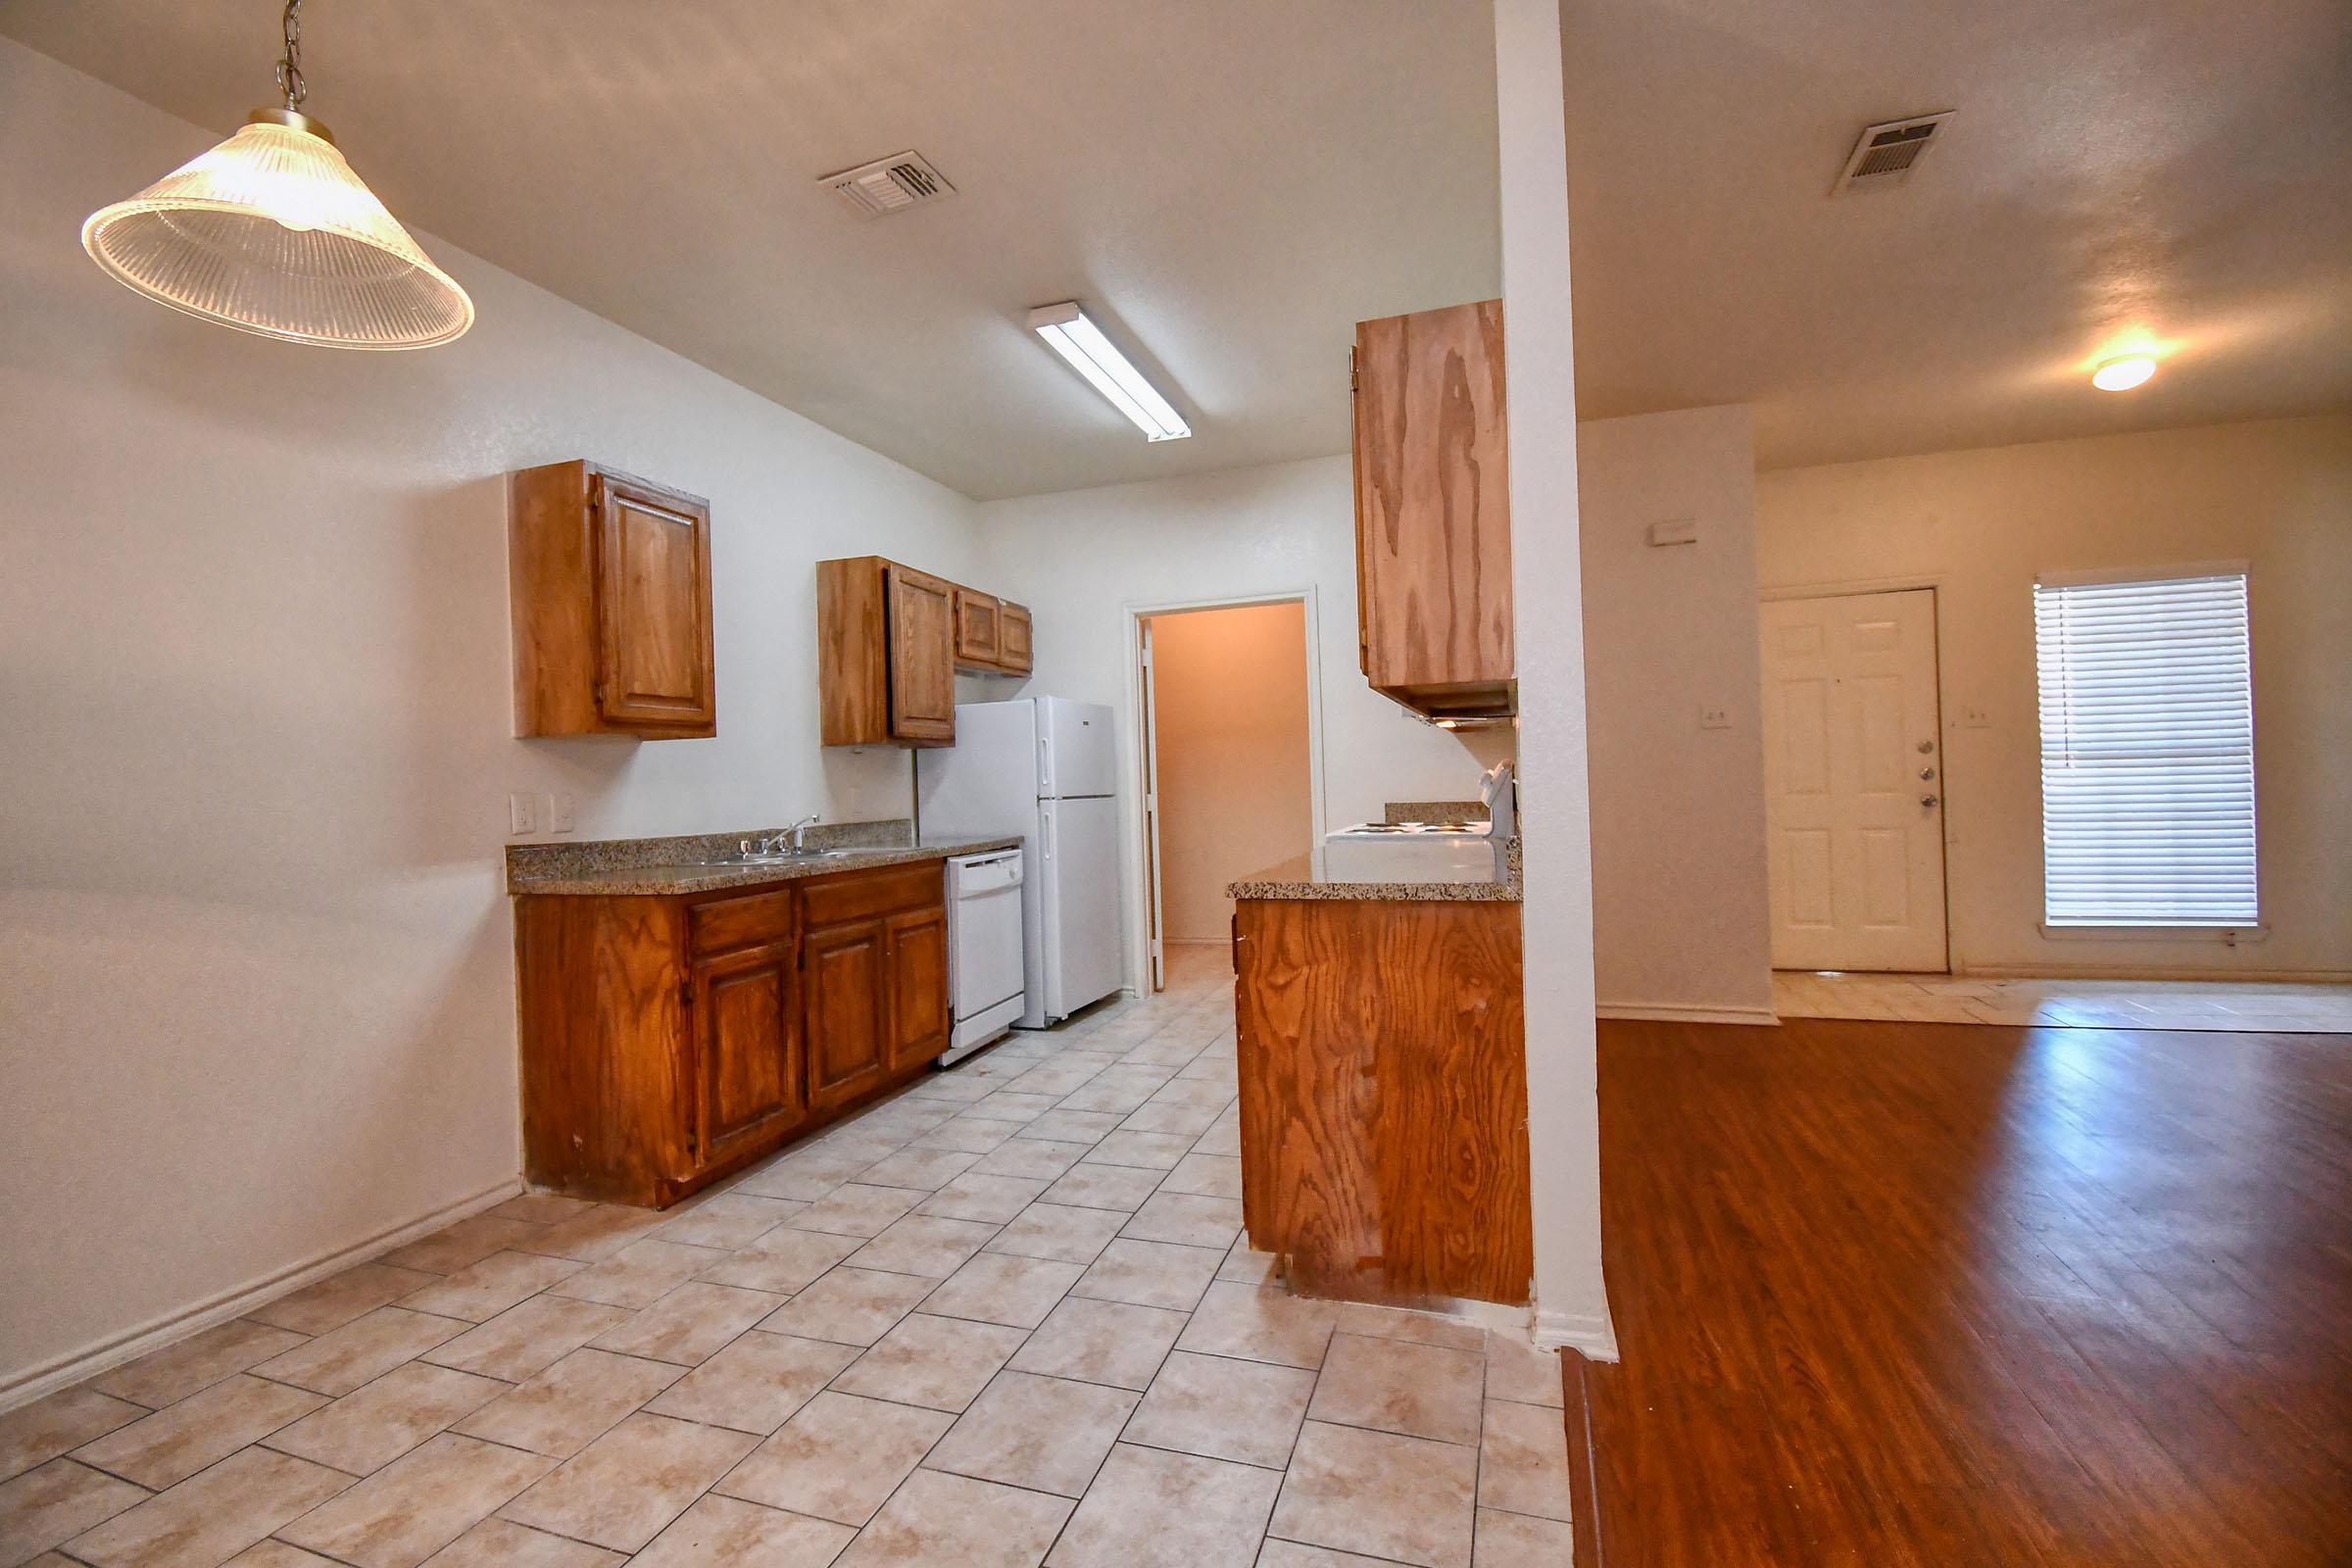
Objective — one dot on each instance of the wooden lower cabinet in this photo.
(747, 1072)
(915, 944)
(848, 1010)
(1384, 1097)
(667, 1041)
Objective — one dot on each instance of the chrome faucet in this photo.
(792, 840)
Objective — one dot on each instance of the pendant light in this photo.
(272, 232)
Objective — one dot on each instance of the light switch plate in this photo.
(556, 811)
(1714, 718)
(521, 814)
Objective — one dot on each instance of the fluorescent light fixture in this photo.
(1070, 334)
(2125, 374)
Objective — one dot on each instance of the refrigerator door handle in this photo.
(1045, 819)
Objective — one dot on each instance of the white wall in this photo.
(1084, 559)
(1235, 778)
(256, 990)
(1682, 912)
(1563, 1108)
(1979, 525)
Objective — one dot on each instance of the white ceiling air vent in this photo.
(1884, 156)
(890, 184)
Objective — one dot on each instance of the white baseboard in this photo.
(2143, 971)
(32, 1383)
(1584, 1332)
(1676, 1012)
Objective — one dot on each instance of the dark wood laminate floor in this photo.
(1924, 1293)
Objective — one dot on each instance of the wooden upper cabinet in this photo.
(885, 654)
(889, 642)
(1012, 638)
(1433, 526)
(610, 584)
(977, 618)
(923, 655)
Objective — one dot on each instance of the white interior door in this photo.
(1158, 951)
(1854, 779)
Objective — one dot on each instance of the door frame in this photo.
(1143, 828)
(1946, 722)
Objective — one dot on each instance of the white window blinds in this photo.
(2148, 751)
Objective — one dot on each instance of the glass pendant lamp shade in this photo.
(272, 232)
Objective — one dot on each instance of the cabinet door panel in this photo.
(923, 655)
(1433, 500)
(917, 964)
(845, 1010)
(1012, 639)
(653, 588)
(747, 1073)
(976, 629)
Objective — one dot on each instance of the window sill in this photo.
(2227, 935)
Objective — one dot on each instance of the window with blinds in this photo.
(2148, 751)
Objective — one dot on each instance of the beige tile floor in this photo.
(2248, 1006)
(1005, 1318)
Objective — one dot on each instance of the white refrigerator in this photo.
(1046, 768)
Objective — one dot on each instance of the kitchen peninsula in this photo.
(1384, 1083)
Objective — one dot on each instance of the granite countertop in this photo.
(608, 867)
(1303, 876)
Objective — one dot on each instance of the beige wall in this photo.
(1230, 689)
(256, 979)
(1682, 919)
(2276, 495)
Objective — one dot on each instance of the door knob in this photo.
(1927, 800)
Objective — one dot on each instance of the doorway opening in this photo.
(1854, 782)
(1230, 767)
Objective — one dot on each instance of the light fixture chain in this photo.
(289, 66)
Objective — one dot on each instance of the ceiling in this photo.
(1228, 184)
(2178, 171)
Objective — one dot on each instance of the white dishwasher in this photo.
(985, 965)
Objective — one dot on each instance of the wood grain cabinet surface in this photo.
(978, 617)
(667, 1041)
(610, 577)
(1433, 526)
(848, 1008)
(890, 642)
(1013, 628)
(915, 959)
(1384, 1097)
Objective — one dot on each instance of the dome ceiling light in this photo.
(272, 232)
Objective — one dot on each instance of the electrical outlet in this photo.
(559, 812)
(1674, 531)
(522, 814)
(1711, 718)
